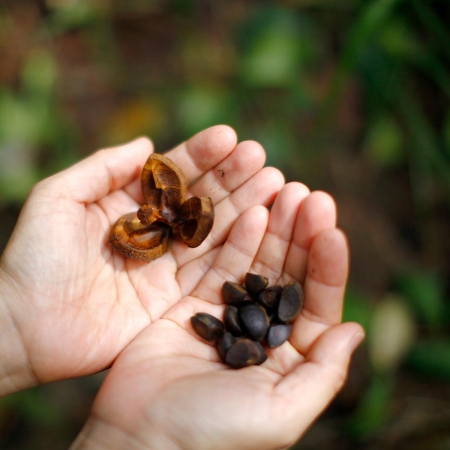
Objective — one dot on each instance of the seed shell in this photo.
(207, 326)
(224, 343)
(244, 353)
(255, 321)
(291, 302)
(278, 334)
(255, 283)
(270, 296)
(233, 293)
(232, 320)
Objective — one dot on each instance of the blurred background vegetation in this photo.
(348, 96)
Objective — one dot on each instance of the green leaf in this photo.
(425, 292)
(357, 308)
(374, 410)
(201, 107)
(384, 142)
(431, 357)
(39, 74)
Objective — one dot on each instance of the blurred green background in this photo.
(348, 96)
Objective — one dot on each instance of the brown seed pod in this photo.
(135, 240)
(255, 321)
(224, 343)
(278, 334)
(244, 353)
(291, 302)
(233, 293)
(270, 296)
(164, 190)
(255, 283)
(207, 326)
(232, 321)
(163, 183)
(196, 217)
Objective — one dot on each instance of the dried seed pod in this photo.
(255, 283)
(207, 326)
(244, 353)
(255, 321)
(163, 183)
(270, 296)
(196, 217)
(291, 302)
(224, 343)
(233, 293)
(135, 240)
(232, 321)
(164, 189)
(278, 334)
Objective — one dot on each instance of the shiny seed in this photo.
(270, 296)
(233, 293)
(255, 321)
(207, 326)
(224, 343)
(291, 302)
(255, 283)
(244, 353)
(232, 321)
(278, 334)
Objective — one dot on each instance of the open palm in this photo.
(169, 389)
(81, 302)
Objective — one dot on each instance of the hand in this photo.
(169, 390)
(74, 302)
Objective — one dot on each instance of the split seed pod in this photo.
(145, 235)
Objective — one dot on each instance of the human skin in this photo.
(72, 306)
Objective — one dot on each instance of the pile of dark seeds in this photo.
(255, 315)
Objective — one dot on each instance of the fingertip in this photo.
(328, 258)
(218, 137)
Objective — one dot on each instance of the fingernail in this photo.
(356, 340)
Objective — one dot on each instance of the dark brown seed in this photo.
(224, 343)
(278, 334)
(255, 283)
(270, 296)
(207, 326)
(255, 321)
(233, 293)
(244, 353)
(291, 302)
(232, 322)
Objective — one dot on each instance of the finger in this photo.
(271, 256)
(309, 388)
(261, 189)
(203, 151)
(318, 212)
(236, 255)
(324, 288)
(242, 163)
(103, 172)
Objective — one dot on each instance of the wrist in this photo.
(98, 434)
(15, 371)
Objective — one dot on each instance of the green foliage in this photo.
(430, 357)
